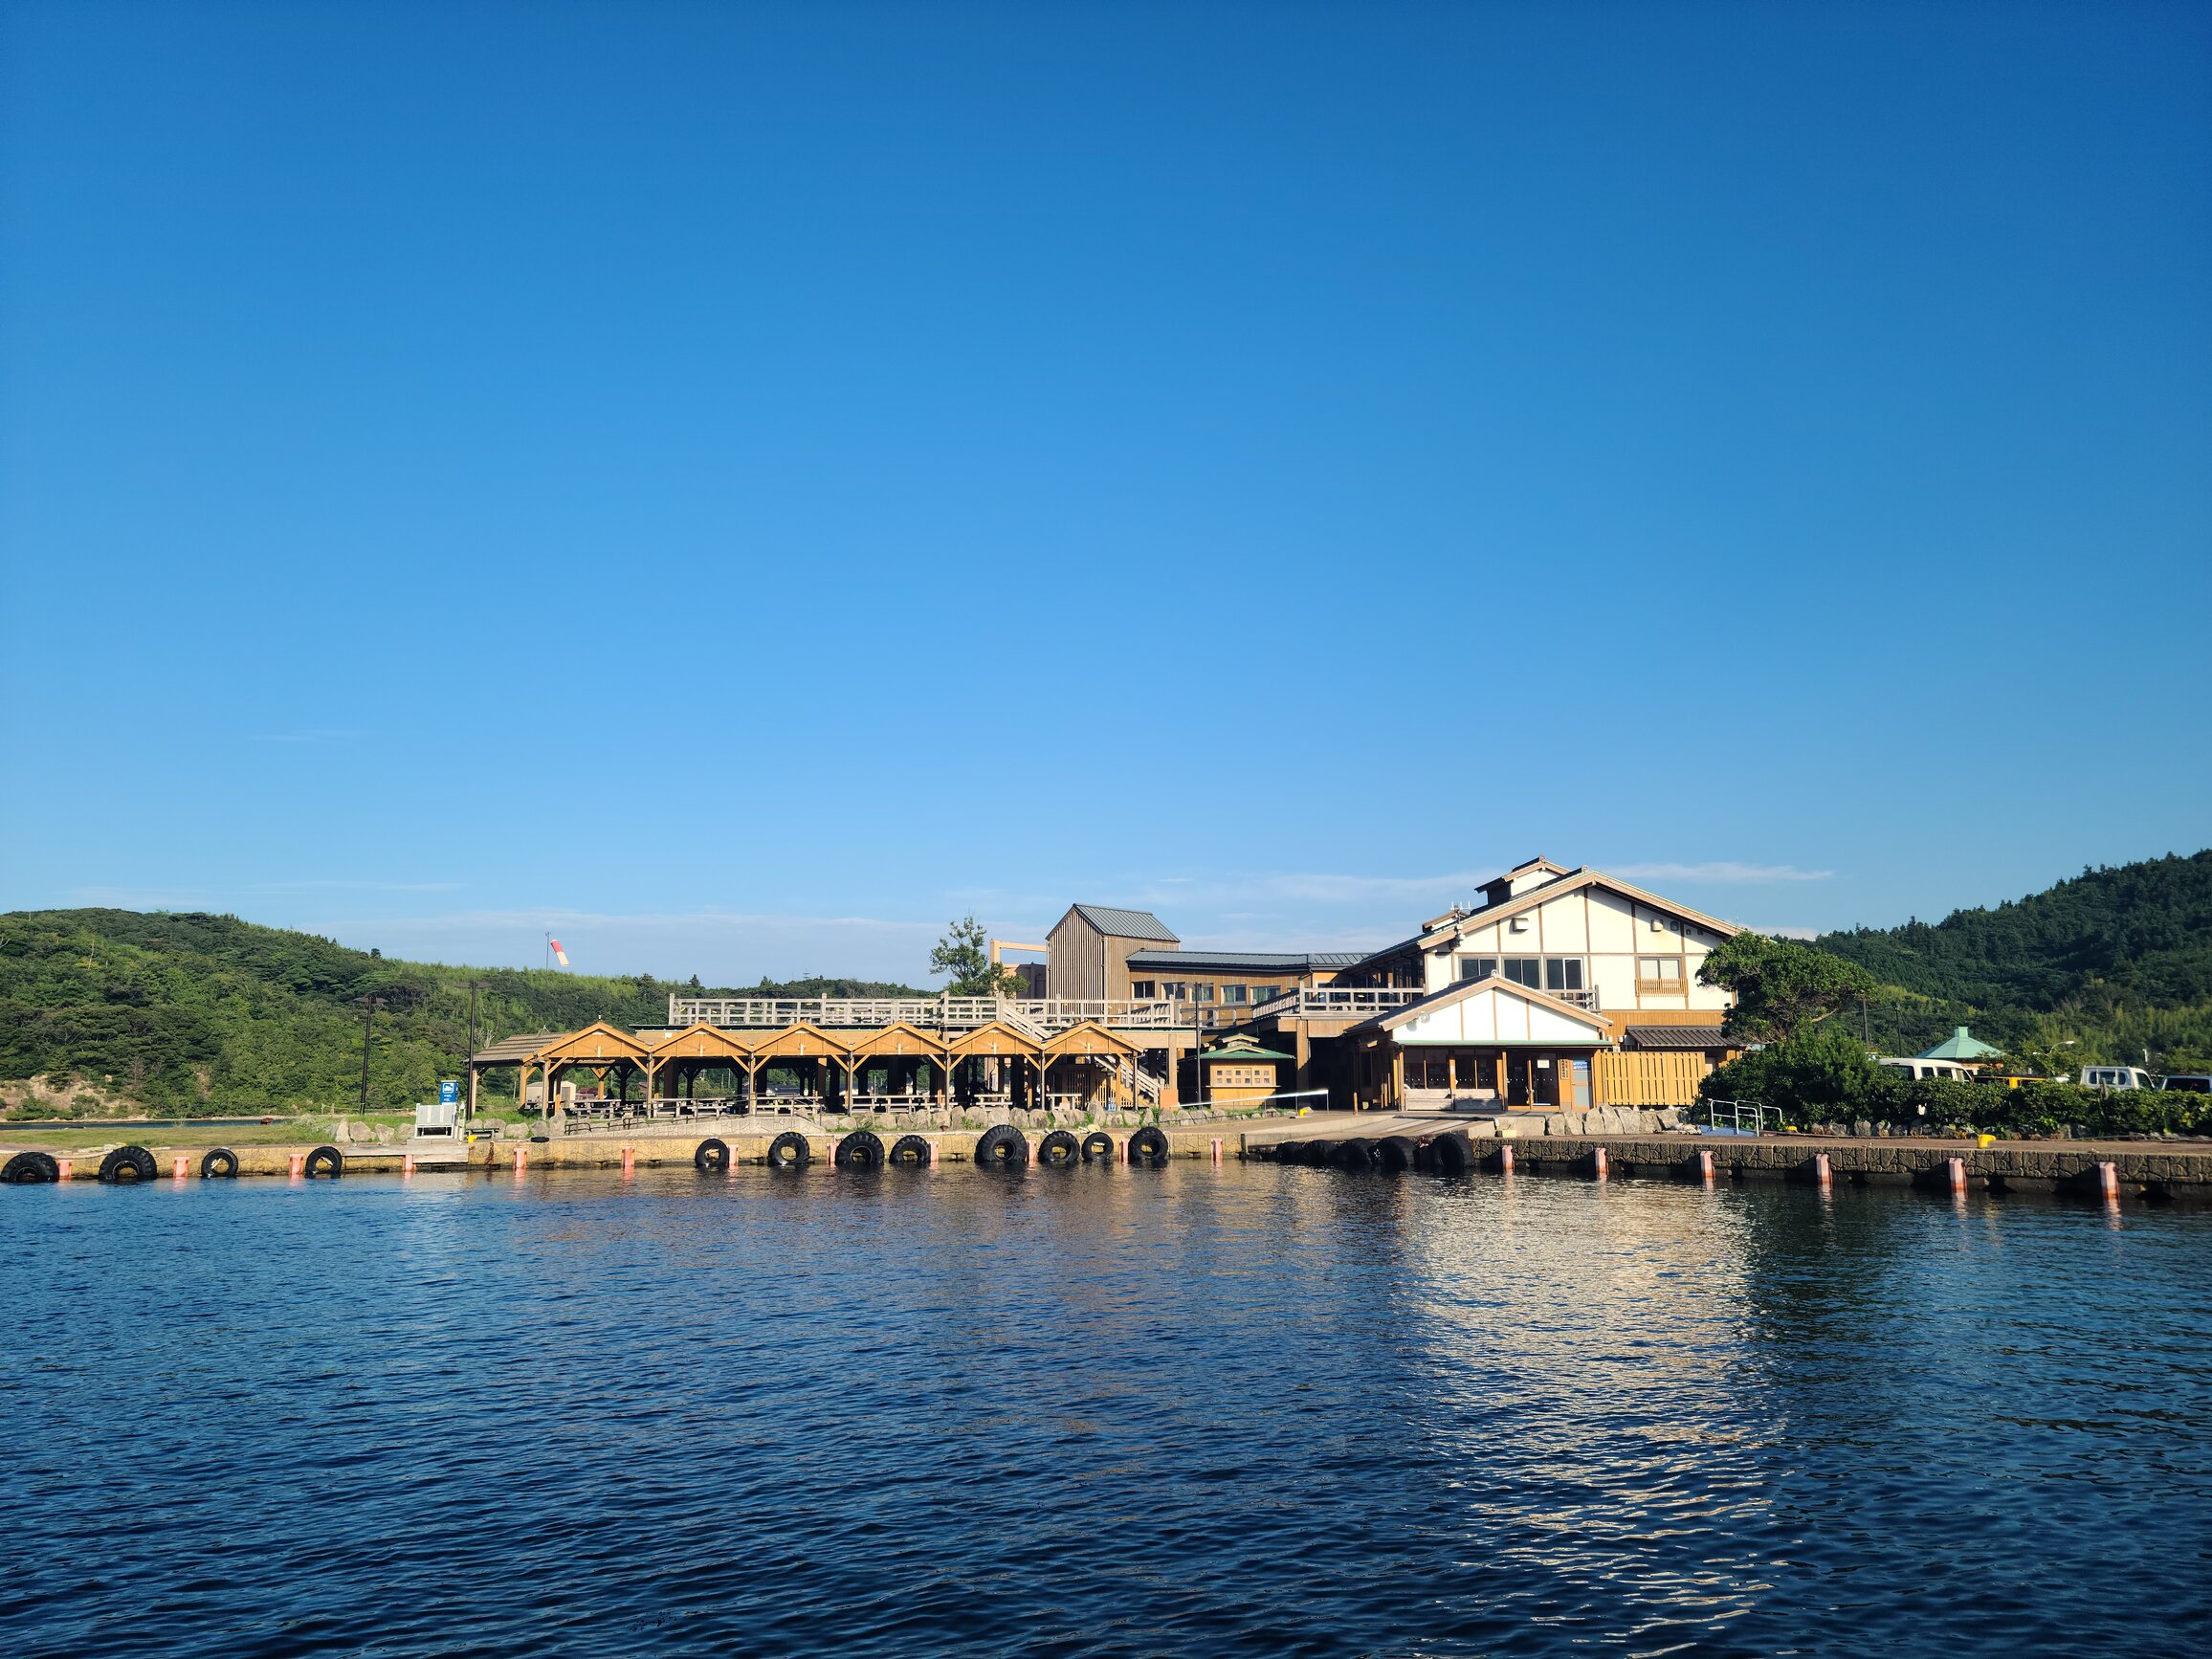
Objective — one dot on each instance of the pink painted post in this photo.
(2108, 1183)
(630, 1161)
(67, 1166)
(1958, 1169)
(297, 1165)
(521, 1160)
(405, 1165)
(1217, 1149)
(1705, 1167)
(1821, 1171)
(1598, 1158)
(1505, 1159)
(177, 1166)
(933, 1155)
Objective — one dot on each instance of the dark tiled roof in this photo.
(1125, 923)
(1674, 1037)
(1245, 961)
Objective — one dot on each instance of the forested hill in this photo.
(119, 1009)
(2115, 959)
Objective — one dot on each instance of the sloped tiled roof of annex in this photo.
(1204, 960)
(1636, 1036)
(1124, 923)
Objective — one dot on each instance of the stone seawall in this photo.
(605, 1152)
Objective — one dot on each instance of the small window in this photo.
(1232, 993)
(1144, 990)
(1175, 988)
(1477, 967)
(1525, 970)
(1659, 972)
(1201, 993)
(1266, 993)
(1563, 973)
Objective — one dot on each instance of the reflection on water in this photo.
(1100, 1411)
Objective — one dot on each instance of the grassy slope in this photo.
(207, 1013)
(2115, 960)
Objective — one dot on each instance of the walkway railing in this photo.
(1045, 1015)
(1327, 1003)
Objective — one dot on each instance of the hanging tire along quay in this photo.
(1369, 1145)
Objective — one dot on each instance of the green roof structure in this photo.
(1241, 1049)
(1961, 1044)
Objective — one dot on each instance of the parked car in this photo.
(2187, 1082)
(2116, 1078)
(1916, 1068)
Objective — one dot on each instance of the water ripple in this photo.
(1095, 1413)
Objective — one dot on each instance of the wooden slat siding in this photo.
(1078, 951)
(1654, 1079)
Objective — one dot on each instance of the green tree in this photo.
(965, 953)
(1782, 988)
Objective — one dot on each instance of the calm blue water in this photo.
(1251, 1410)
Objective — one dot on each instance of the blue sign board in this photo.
(448, 1093)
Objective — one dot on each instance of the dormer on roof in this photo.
(1538, 871)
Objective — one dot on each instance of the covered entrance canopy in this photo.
(1485, 1040)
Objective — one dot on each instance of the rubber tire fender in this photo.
(862, 1149)
(1148, 1145)
(1289, 1151)
(789, 1151)
(1396, 1153)
(221, 1163)
(30, 1169)
(712, 1156)
(910, 1152)
(324, 1158)
(1060, 1150)
(1320, 1154)
(1449, 1154)
(1098, 1147)
(1003, 1146)
(1354, 1156)
(128, 1164)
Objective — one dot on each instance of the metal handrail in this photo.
(1736, 1112)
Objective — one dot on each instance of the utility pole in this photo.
(474, 986)
(368, 1008)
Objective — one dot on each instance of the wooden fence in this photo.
(1651, 1079)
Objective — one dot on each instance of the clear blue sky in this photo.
(738, 485)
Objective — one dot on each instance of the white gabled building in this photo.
(1554, 969)
(1578, 934)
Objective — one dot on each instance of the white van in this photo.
(2116, 1077)
(1916, 1068)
